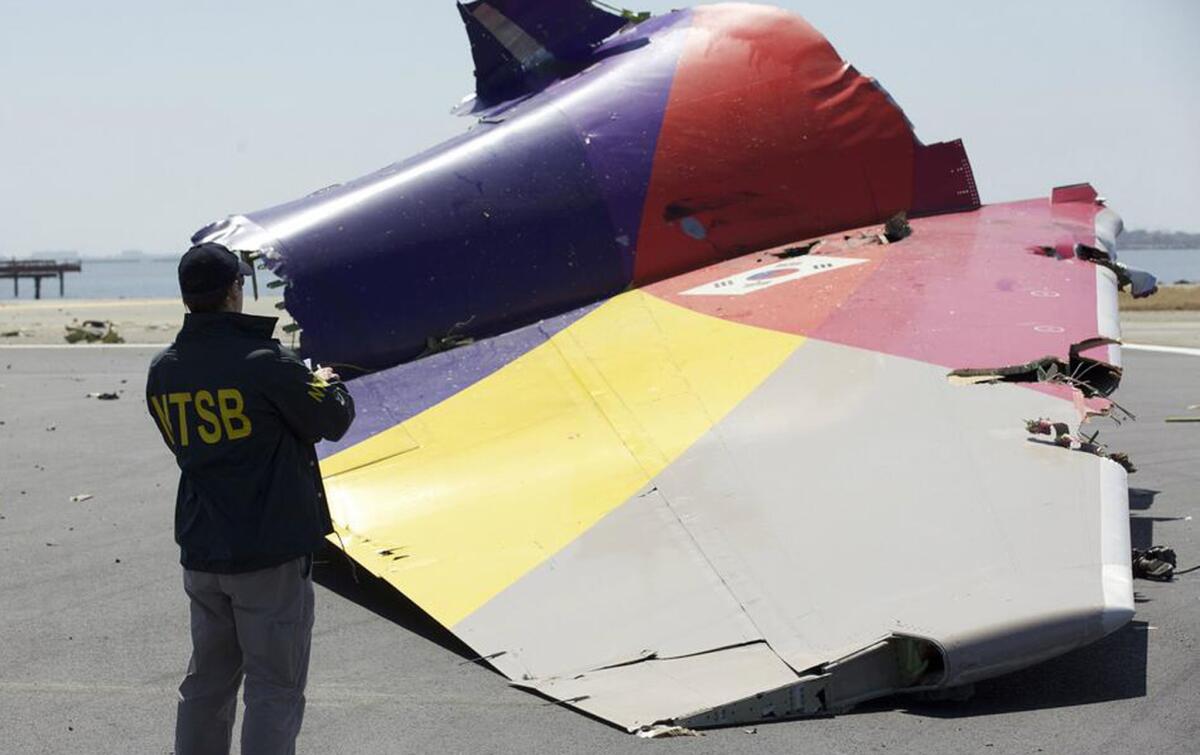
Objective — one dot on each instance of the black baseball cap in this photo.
(209, 267)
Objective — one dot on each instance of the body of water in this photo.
(1168, 265)
(142, 279)
(121, 279)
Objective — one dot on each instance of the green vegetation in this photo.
(1168, 298)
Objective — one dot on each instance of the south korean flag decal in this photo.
(772, 275)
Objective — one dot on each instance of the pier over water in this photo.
(37, 270)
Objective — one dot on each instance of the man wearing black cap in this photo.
(241, 414)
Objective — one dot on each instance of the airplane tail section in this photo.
(520, 46)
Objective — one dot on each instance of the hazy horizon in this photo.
(130, 127)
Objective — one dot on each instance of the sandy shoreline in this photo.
(148, 321)
(155, 321)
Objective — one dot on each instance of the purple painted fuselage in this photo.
(533, 211)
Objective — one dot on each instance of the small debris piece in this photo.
(897, 228)
(1044, 426)
(798, 251)
(1120, 458)
(1156, 563)
(51, 429)
(10, 334)
(663, 731)
(1064, 438)
(81, 498)
(104, 396)
(751, 730)
(93, 331)
(1183, 419)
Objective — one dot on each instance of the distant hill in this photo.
(1159, 240)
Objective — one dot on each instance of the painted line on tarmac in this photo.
(1161, 349)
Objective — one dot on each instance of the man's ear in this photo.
(233, 294)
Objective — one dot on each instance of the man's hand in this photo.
(327, 374)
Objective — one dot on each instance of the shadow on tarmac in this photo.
(332, 570)
(1141, 528)
(1141, 499)
(1112, 669)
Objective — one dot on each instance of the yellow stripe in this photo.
(391, 442)
(456, 504)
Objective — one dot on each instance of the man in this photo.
(241, 414)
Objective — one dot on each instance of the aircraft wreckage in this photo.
(695, 390)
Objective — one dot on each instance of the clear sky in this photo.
(129, 125)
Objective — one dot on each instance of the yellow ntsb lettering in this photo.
(181, 400)
(164, 419)
(209, 427)
(237, 424)
(220, 418)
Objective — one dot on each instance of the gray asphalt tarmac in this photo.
(93, 621)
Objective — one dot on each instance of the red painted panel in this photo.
(768, 136)
(965, 290)
(971, 291)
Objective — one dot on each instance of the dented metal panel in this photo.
(640, 572)
(643, 694)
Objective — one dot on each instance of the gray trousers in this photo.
(257, 625)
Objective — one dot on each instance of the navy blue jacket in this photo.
(241, 414)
